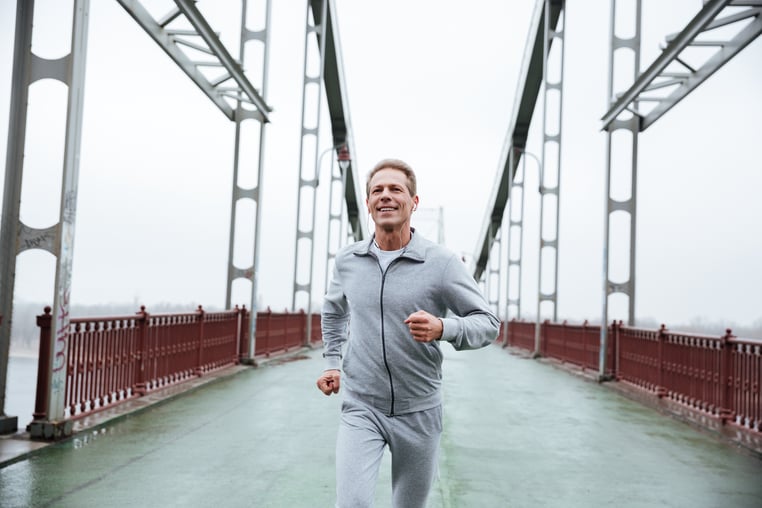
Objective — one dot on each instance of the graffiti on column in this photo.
(62, 330)
(37, 242)
(64, 290)
(70, 206)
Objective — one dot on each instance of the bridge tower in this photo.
(724, 27)
(58, 239)
(198, 51)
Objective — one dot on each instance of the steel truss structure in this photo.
(515, 234)
(59, 238)
(546, 32)
(188, 39)
(201, 40)
(492, 282)
(683, 77)
(312, 96)
(550, 159)
(199, 52)
(669, 79)
(321, 23)
(230, 91)
(240, 194)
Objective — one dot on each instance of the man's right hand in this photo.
(329, 382)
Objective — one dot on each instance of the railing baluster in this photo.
(719, 377)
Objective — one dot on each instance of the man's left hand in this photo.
(424, 327)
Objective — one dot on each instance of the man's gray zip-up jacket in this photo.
(366, 308)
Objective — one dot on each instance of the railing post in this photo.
(42, 426)
(537, 340)
(543, 336)
(238, 335)
(586, 348)
(268, 331)
(245, 324)
(200, 318)
(43, 367)
(616, 347)
(726, 377)
(609, 334)
(661, 390)
(293, 319)
(317, 324)
(248, 344)
(141, 322)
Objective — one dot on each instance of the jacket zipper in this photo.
(383, 333)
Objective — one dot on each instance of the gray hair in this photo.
(398, 165)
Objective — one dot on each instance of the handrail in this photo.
(112, 359)
(719, 376)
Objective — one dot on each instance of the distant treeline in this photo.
(705, 327)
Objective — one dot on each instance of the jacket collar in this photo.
(415, 249)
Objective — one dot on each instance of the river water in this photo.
(20, 388)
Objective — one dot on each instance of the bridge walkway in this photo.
(518, 433)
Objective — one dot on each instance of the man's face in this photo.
(389, 201)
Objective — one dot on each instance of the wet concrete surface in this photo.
(518, 433)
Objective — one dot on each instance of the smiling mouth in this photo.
(386, 209)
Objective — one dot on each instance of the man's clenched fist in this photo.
(329, 382)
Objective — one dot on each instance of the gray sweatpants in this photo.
(413, 441)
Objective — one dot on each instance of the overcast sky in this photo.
(431, 82)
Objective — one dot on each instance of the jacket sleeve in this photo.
(471, 324)
(334, 322)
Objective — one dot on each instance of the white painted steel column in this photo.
(629, 123)
(59, 238)
(517, 223)
(308, 167)
(68, 214)
(493, 269)
(251, 271)
(14, 162)
(548, 139)
(335, 210)
(65, 240)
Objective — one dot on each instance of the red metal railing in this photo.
(741, 395)
(577, 344)
(113, 359)
(317, 331)
(279, 332)
(719, 376)
(640, 353)
(521, 334)
(102, 366)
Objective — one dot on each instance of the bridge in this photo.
(94, 369)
